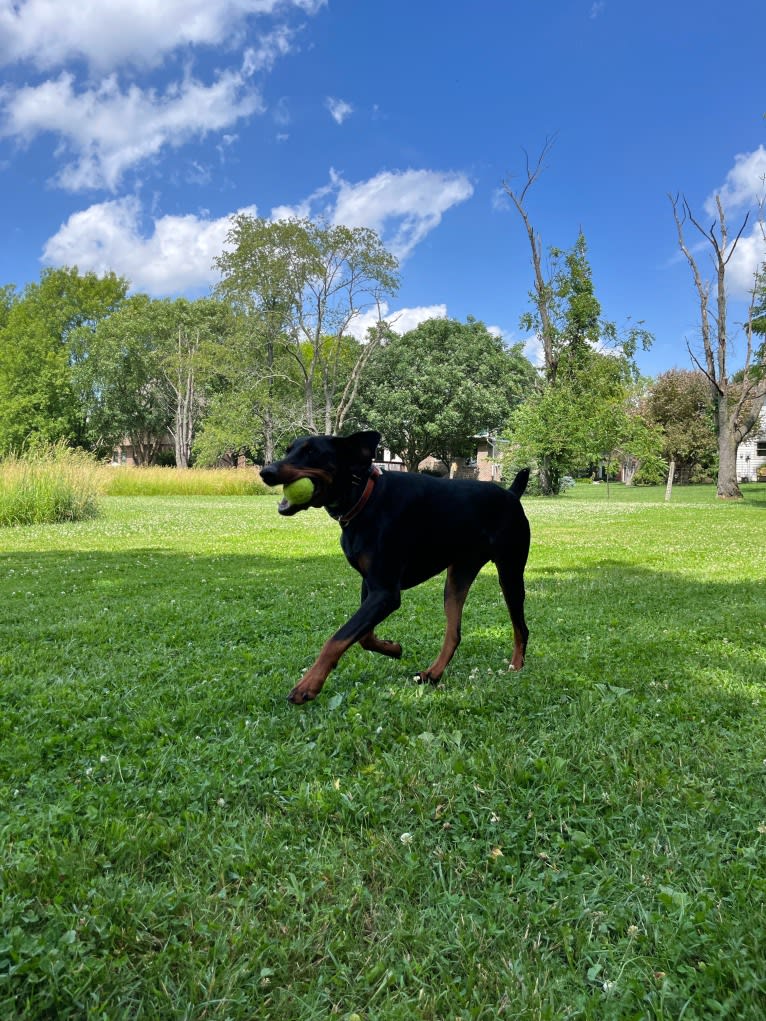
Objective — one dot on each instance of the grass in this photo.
(120, 481)
(48, 485)
(52, 484)
(586, 839)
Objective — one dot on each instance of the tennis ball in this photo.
(299, 491)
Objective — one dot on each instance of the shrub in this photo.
(48, 484)
(652, 472)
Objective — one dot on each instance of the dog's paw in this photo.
(299, 696)
(424, 677)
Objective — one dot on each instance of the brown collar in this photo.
(362, 501)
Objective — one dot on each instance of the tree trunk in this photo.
(550, 476)
(629, 469)
(541, 295)
(728, 489)
(268, 417)
(182, 384)
(671, 476)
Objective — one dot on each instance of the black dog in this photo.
(399, 529)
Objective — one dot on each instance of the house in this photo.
(751, 455)
(129, 453)
(486, 466)
(387, 461)
(483, 466)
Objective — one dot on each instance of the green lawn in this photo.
(586, 839)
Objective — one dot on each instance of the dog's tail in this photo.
(519, 484)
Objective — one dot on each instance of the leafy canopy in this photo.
(431, 390)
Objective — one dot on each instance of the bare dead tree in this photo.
(542, 294)
(738, 404)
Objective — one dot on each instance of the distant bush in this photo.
(48, 484)
(651, 473)
(121, 481)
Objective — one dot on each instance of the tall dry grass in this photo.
(48, 484)
(123, 481)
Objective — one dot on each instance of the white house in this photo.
(751, 454)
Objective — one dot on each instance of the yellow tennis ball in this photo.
(299, 491)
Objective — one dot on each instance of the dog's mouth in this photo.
(287, 509)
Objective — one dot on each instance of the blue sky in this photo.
(130, 130)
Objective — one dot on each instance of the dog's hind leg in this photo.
(511, 576)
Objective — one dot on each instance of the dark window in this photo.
(760, 448)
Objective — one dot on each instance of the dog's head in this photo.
(335, 465)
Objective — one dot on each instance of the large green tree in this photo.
(300, 285)
(429, 391)
(150, 370)
(260, 404)
(37, 327)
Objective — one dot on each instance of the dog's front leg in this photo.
(378, 604)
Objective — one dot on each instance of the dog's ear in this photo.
(359, 448)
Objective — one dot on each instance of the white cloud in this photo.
(175, 257)
(269, 49)
(403, 206)
(178, 254)
(401, 321)
(745, 183)
(280, 113)
(597, 9)
(339, 109)
(108, 130)
(743, 189)
(749, 257)
(111, 33)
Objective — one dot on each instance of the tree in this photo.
(759, 312)
(37, 396)
(566, 315)
(255, 409)
(737, 405)
(150, 369)
(617, 432)
(8, 299)
(588, 417)
(679, 403)
(116, 379)
(301, 284)
(429, 391)
(541, 294)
